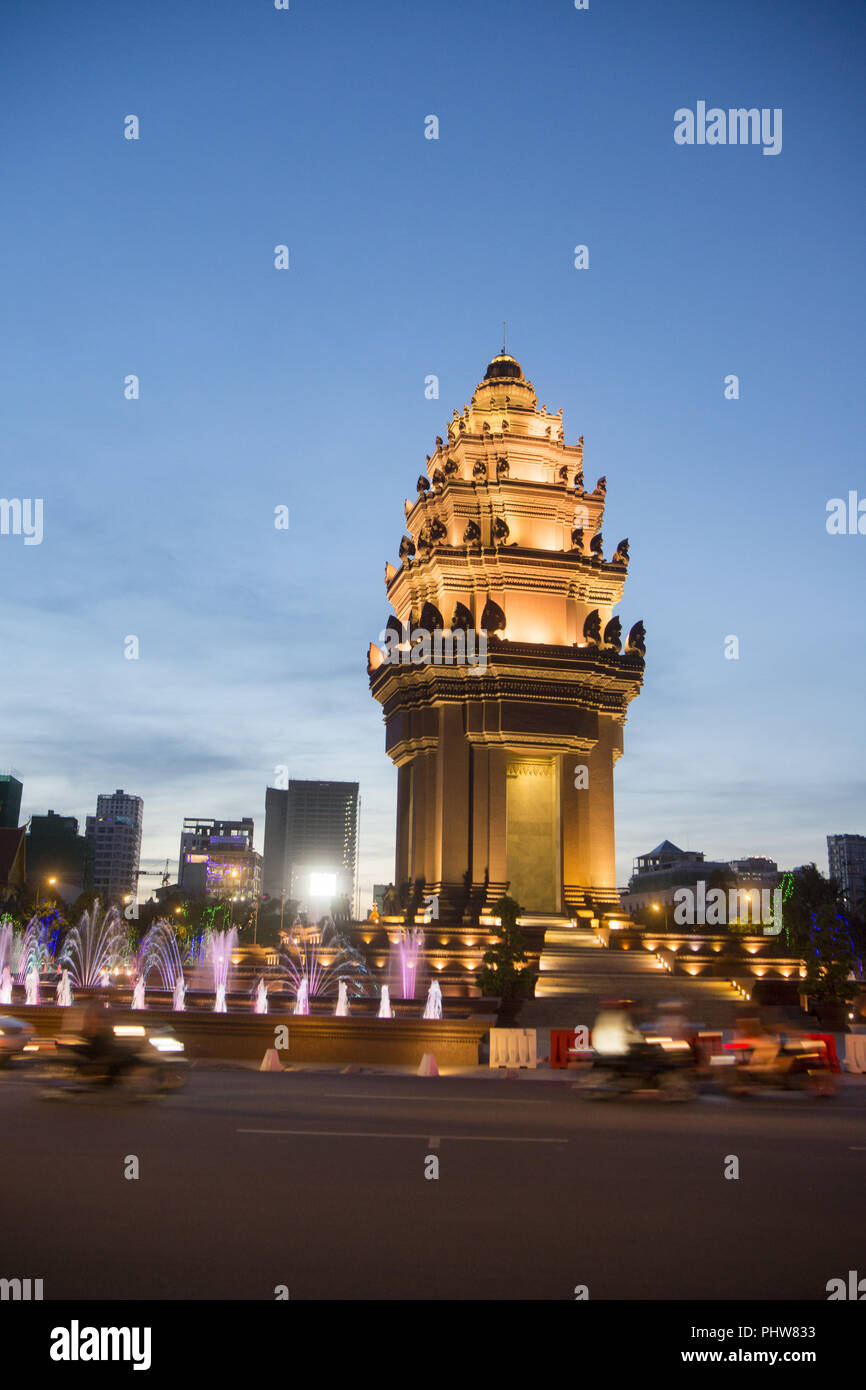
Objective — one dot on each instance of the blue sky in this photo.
(306, 387)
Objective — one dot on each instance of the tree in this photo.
(83, 903)
(505, 972)
(271, 912)
(829, 957)
(805, 891)
(857, 920)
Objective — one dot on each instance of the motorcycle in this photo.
(664, 1066)
(135, 1061)
(798, 1064)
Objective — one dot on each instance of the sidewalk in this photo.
(542, 1072)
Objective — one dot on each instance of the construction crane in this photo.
(154, 873)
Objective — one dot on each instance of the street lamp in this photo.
(46, 883)
(656, 908)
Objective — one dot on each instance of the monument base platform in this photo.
(246, 1037)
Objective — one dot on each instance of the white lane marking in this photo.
(448, 1100)
(373, 1134)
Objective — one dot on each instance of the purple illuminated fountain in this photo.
(28, 951)
(433, 1006)
(407, 961)
(94, 948)
(6, 937)
(317, 960)
(31, 986)
(221, 945)
(261, 1000)
(159, 951)
(63, 993)
(302, 998)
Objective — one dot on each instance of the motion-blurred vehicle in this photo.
(665, 1066)
(136, 1060)
(749, 1065)
(15, 1034)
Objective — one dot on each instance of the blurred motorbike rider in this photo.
(765, 1048)
(100, 1049)
(613, 1032)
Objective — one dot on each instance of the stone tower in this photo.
(502, 676)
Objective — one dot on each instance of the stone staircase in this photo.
(577, 973)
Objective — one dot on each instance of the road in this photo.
(316, 1181)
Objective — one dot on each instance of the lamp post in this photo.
(233, 874)
(256, 900)
(46, 884)
(656, 908)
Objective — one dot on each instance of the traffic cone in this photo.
(271, 1061)
(428, 1065)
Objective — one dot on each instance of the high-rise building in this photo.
(55, 850)
(217, 858)
(847, 855)
(12, 865)
(113, 838)
(505, 732)
(10, 800)
(311, 842)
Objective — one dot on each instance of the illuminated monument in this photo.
(505, 761)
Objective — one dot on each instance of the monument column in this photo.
(574, 807)
(480, 848)
(405, 777)
(602, 863)
(453, 806)
(496, 810)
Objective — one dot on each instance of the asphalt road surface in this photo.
(316, 1181)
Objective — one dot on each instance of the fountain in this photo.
(6, 934)
(316, 960)
(6, 939)
(94, 946)
(433, 1007)
(221, 945)
(63, 993)
(302, 999)
(261, 1004)
(28, 950)
(409, 961)
(31, 986)
(342, 1009)
(138, 1000)
(385, 1010)
(159, 952)
(177, 997)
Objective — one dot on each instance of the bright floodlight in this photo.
(323, 885)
